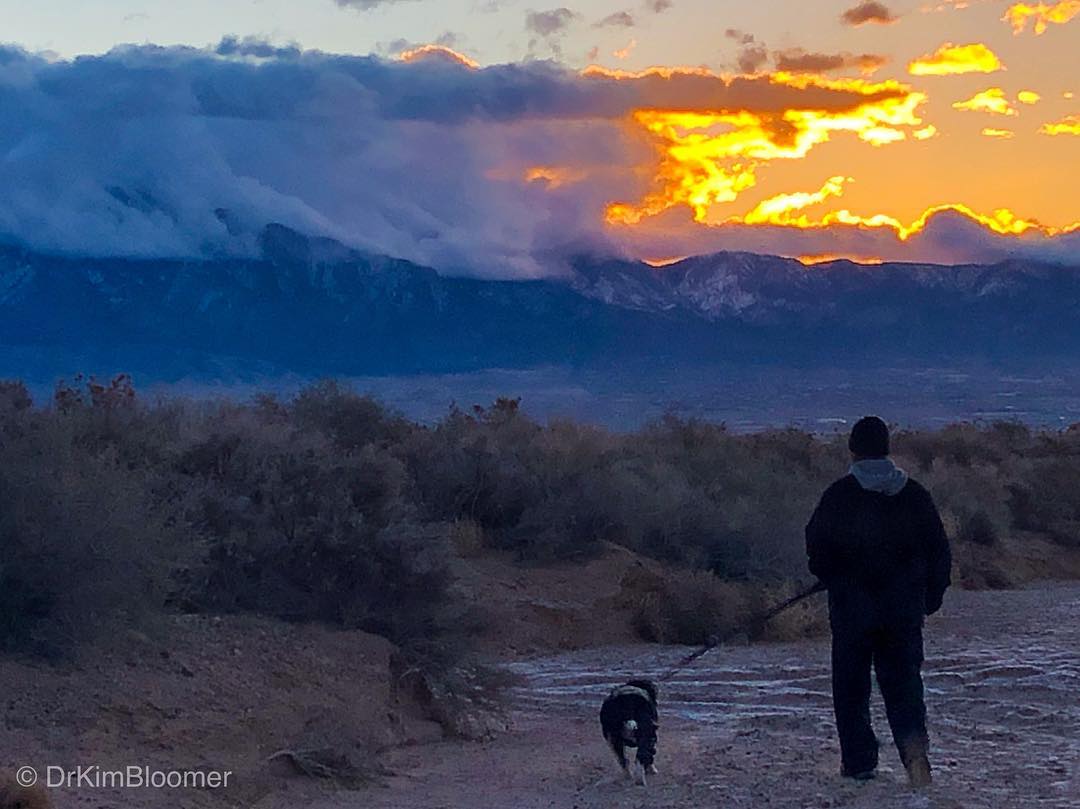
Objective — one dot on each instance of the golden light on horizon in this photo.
(657, 263)
(825, 258)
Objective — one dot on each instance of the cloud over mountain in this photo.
(497, 171)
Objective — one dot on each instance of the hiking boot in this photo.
(918, 770)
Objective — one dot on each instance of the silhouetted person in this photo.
(877, 543)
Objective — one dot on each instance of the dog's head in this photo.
(648, 686)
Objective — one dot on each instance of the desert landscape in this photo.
(484, 651)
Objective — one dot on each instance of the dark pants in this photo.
(896, 653)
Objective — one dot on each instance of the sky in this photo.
(498, 137)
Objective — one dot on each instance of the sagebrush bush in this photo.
(87, 543)
(690, 608)
(300, 528)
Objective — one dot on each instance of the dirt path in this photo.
(752, 726)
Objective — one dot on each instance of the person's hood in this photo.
(880, 475)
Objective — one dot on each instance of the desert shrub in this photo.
(973, 500)
(690, 608)
(980, 528)
(84, 546)
(352, 421)
(299, 529)
(506, 474)
(467, 538)
(744, 499)
(679, 491)
(1049, 499)
(14, 397)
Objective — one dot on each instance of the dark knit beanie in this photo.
(869, 438)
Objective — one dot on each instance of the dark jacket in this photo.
(885, 559)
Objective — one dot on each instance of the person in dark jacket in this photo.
(877, 543)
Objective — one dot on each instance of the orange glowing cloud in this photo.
(711, 157)
(992, 100)
(990, 132)
(1028, 97)
(554, 176)
(791, 211)
(1069, 125)
(1043, 15)
(438, 52)
(950, 60)
(781, 209)
(927, 132)
(1002, 221)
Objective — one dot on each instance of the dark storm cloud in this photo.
(868, 11)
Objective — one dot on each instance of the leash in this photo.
(757, 621)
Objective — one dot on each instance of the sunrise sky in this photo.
(658, 127)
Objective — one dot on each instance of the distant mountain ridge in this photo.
(312, 306)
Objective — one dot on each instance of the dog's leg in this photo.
(619, 749)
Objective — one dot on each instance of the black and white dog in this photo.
(629, 718)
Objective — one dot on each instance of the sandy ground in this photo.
(752, 726)
(207, 694)
(748, 726)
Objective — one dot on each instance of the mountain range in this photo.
(311, 306)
